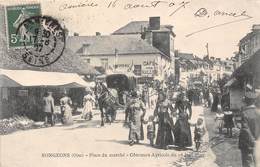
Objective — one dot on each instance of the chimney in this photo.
(256, 28)
(143, 31)
(154, 23)
(149, 37)
(98, 33)
(170, 27)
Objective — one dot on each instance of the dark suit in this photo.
(48, 109)
(251, 118)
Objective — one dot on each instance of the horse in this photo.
(107, 103)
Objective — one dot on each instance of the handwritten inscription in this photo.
(175, 6)
(78, 5)
(153, 4)
(203, 12)
(232, 14)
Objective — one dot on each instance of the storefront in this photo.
(245, 78)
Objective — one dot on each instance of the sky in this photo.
(235, 18)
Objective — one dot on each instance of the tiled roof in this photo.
(68, 62)
(188, 56)
(136, 27)
(247, 37)
(106, 45)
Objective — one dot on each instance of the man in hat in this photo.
(48, 108)
(251, 125)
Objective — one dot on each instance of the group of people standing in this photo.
(172, 120)
(49, 109)
(66, 108)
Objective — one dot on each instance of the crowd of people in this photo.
(171, 118)
(170, 124)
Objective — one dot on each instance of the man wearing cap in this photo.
(251, 121)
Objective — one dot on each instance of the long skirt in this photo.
(182, 134)
(164, 135)
(214, 106)
(136, 131)
(219, 123)
(67, 116)
(87, 110)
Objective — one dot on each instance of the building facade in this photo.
(249, 44)
(142, 47)
(121, 53)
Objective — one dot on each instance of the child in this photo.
(228, 122)
(151, 130)
(219, 120)
(199, 133)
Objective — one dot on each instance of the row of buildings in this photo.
(190, 68)
(146, 48)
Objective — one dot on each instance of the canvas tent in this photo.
(27, 78)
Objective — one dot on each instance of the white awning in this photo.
(29, 78)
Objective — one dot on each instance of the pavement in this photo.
(85, 143)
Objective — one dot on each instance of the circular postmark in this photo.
(43, 39)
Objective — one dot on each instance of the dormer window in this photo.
(85, 49)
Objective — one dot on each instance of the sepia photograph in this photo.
(129, 83)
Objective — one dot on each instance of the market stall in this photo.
(22, 90)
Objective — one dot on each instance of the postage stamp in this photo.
(15, 15)
(47, 40)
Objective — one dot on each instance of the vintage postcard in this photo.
(129, 83)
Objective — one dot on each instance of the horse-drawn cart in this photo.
(122, 83)
(111, 98)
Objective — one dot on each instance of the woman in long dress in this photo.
(66, 111)
(88, 102)
(165, 122)
(216, 101)
(182, 131)
(136, 116)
